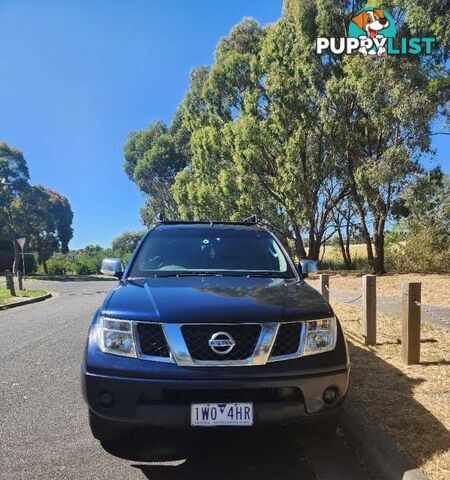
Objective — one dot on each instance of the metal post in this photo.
(410, 353)
(369, 309)
(20, 279)
(324, 286)
(10, 282)
(23, 263)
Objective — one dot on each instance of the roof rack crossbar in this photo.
(204, 222)
(251, 219)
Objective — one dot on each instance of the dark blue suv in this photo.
(210, 325)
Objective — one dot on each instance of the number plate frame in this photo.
(226, 414)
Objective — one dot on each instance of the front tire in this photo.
(107, 430)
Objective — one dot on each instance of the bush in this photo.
(57, 265)
(427, 250)
(74, 264)
(82, 262)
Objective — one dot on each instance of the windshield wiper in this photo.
(266, 274)
(202, 273)
(191, 274)
(188, 274)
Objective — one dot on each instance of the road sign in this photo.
(21, 242)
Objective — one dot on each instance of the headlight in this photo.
(320, 336)
(116, 337)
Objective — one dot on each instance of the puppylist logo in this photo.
(372, 32)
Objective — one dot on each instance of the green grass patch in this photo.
(6, 297)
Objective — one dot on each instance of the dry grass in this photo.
(409, 403)
(435, 288)
(333, 252)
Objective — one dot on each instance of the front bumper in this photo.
(166, 403)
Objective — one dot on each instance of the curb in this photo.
(379, 452)
(25, 302)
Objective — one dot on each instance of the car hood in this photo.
(215, 299)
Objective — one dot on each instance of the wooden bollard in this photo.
(10, 282)
(369, 309)
(20, 279)
(324, 285)
(410, 353)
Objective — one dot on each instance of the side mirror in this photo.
(305, 267)
(112, 267)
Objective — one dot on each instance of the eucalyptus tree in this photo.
(379, 111)
(257, 142)
(14, 177)
(272, 127)
(45, 220)
(61, 210)
(41, 215)
(126, 242)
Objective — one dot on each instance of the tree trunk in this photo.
(44, 266)
(378, 242)
(364, 230)
(347, 244)
(16, 258)
(299, 245)
(345, 251)
(361, 211)
(314, 249)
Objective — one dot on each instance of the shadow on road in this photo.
(219, 454)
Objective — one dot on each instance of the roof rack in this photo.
(252, 220)
(203, 222)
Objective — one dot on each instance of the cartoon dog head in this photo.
(371, 21)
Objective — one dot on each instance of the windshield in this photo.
(213, 250)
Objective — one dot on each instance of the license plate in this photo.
(221, 414)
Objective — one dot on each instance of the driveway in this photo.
(44, 430)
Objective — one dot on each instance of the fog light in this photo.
(331, 395)
(106, 399)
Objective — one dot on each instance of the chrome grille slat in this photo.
(245, 335)
(260, 354)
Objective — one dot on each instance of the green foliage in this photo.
(63, 216)
(41, 215)
(126, 242)
(86, 261)
(6, 297)
(152, 159)
(421, 239)
(14, 172)
(424, 250)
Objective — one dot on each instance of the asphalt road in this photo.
(44, 432)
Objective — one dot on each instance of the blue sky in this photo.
(77, 76)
